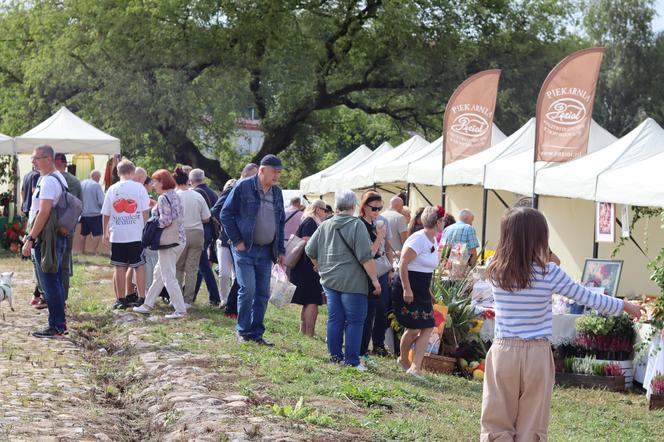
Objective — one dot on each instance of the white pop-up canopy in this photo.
(6, 145)
(397, 171)
(469, 170)
(365, 176)
(339, 179)
(513, 169)
(68, 133)
(625, 170)
(311, 184)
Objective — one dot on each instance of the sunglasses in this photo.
(375, 209)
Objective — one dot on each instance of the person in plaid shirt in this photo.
(463, 232)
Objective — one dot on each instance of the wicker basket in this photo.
(438, 364)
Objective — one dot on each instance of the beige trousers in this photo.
(518, 382)
(187, 267)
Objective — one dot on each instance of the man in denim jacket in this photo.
(253, 218)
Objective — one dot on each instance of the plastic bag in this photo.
(281, 290)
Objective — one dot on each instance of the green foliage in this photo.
(302, 412)
(171, 78)
(609, 326)
(455, 295)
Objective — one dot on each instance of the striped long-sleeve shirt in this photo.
(527, 314)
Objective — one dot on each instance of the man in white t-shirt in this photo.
(45, 196)
(125, 211)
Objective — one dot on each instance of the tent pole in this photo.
(535, 201)
(595, 243)
(485, 194)
(407, 194)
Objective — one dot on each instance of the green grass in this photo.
(383, 404)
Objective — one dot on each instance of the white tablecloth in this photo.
(563, 328)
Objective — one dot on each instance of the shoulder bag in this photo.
(352, 252)
(152, 232)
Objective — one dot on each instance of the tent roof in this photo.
(631, 154)
(67, 133)
(338, 179)
(513, 169)
(364, 176)
(6, 145)
(428, 169)
(397, 171)
(311, 184)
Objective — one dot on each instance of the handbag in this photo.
(152, 232)
(281, 290)
(294, 251)
(383, 265)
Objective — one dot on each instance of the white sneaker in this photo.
(143, 309)
(175, 315)
(361, 368)
(415, 374)
(187, 306)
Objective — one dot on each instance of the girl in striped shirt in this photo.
(518, 382)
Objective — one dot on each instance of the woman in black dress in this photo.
(309, 293)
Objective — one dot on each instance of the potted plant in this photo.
(656, 399)
(587, 372)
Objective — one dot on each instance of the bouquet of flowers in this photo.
(12, 236)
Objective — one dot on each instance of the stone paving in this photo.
(48, 391)
(45, 393)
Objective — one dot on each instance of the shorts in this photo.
(127, 254)
(91, 225)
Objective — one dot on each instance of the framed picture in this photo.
(602, 273)
(605, 226)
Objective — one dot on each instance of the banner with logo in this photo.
(565, 107)
(468, 121)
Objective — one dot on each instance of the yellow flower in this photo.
(477, 325)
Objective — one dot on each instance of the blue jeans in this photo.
(252, 270)
(52, 285)
(346, 313)
(205, 271)
(376, 321)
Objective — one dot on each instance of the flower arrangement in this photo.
(657, 384)
(12, 236)
(589, 366)
(605, 337)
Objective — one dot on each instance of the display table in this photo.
(563, 328)
(650, 362)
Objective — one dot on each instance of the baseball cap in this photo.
(272, 161)
(60, 157)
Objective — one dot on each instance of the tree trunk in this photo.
(186, 152)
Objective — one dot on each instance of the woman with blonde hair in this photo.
(411, 295)
(309, 293)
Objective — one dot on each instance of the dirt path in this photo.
(45, 393)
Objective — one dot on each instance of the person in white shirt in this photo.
(293, 215)
(48, 191)
(196, 213)
(125, 211)
(411, 294)
(397, 223)
(91, 219)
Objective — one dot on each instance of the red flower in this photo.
(441, 211)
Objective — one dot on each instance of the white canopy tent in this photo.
(623, 162)
(6, 145)
(69, 134)
(428, 169)
(365, 176)
(351, 176)
(396, 171)
(513, 169)
(311, 184)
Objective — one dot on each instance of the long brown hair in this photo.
(414, 220)
(369, 197)
(524, 242)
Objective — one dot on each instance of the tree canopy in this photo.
(171, 78)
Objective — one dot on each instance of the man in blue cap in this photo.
(253, 218)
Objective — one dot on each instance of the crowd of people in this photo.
(362, 260)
